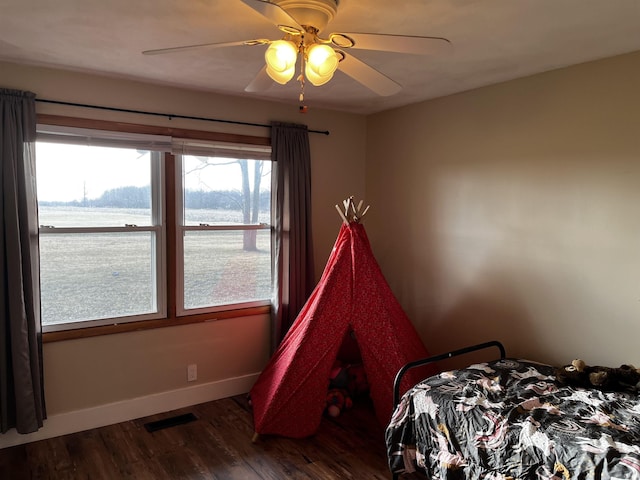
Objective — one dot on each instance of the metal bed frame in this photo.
(437, 358)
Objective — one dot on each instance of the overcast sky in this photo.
(66, 173)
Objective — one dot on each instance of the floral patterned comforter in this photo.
(511, 419)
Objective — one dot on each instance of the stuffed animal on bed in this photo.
(579, 374)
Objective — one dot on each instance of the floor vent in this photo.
(170, 422)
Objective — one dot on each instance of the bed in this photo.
(511, 419)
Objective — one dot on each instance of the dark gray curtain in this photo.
(21, 386)
(292, 243)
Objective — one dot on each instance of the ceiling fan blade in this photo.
(368, 76)
(274, 13)
(392, 43)
(260, 83)
(160, 51)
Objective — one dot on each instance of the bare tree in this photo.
(250, 200)
(250, 203)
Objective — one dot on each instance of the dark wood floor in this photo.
(215, 446)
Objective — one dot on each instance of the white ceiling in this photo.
(493, 41)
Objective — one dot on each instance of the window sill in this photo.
(149, 324)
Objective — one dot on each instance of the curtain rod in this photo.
(168, 115)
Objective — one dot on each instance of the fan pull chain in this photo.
(301, 76)
(301, 79)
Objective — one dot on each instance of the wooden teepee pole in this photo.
(350, 212)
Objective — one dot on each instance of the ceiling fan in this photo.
(301, 21)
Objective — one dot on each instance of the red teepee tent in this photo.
(289, 396)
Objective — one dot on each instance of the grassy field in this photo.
(101, 275)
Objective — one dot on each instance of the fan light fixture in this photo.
(320, 61)
(281, 60)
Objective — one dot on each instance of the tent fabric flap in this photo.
(288, 398)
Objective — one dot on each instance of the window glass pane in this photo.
(85, 186)
(96, 276)
(224, 190)
(68, 216)
(219, 270)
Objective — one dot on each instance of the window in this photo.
(105, 246)
(224, 234)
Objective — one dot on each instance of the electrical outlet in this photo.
(192, 372)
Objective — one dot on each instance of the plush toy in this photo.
(338, 399)
(346, 383)
(579, 374)
(349, 376)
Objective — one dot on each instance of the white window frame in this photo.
(154, 143)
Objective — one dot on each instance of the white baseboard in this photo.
(110, 413)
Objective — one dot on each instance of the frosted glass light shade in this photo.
(281, 60)
(314, 78)
(281, 77)
(322, 62)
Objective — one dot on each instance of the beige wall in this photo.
(115, 368)
(80, 374)
(511, 212)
